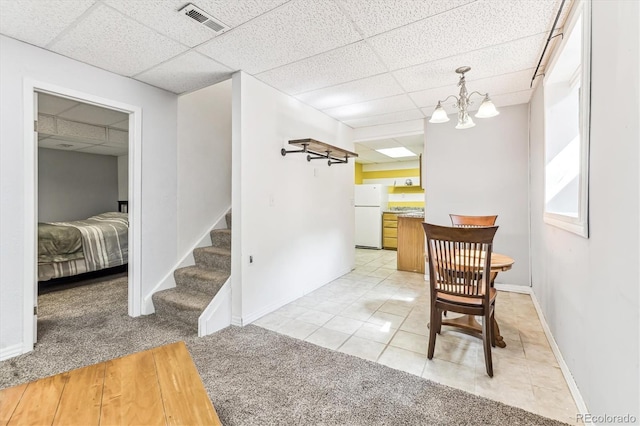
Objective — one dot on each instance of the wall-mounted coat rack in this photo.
(317, 150)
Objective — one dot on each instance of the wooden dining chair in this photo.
(463, 221)
(459, 274)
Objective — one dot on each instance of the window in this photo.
(567, 121)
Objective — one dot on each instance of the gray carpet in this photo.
(253, 376)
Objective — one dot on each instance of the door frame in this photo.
(135, 299)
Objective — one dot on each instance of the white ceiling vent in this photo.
(202, 17)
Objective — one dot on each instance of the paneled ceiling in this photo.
(364, 62)
(368, 154)
(69, 125)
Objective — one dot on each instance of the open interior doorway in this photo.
(83, 189)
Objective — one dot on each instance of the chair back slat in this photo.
(472, 221)
(459, 259)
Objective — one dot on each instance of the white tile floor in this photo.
(381, 314)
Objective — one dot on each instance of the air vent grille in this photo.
(202, 17)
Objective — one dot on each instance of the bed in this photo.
(71, 248)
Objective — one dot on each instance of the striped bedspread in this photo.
(104, 240)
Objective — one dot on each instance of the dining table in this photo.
(469, 323)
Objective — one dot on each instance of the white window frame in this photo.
(578, 225)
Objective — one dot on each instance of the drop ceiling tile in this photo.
(39, 22)
(81, 130)
(341, 65)
(186, 73)
(376, 157)
(374, 17)
(122, 125)
(105, 150)
(362, 161)
(53, 105)
(117, 137)
(394, 117)
(93, 114)
(497, 60)
(163, 15)
(107, 39)
(379, 144)
(46, 124)
(484, 24)
(295, 31)
(360, 147)
(366, 109)
(415, 149)
(505, 83)
(365, 89)
(411, 140)
(515, 98)
(55, 143)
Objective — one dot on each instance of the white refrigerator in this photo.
(370, 201)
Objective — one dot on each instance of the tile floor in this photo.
(381, 314)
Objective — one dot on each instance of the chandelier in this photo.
(487, 108)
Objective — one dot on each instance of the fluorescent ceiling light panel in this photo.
(398, 152)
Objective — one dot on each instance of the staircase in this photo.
(197, 285)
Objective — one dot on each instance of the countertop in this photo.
(404, 211)
(415, 215)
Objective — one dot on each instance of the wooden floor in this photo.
(160, 386)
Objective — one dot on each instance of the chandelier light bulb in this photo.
(463, 100)
(439, 115)
(487, 109)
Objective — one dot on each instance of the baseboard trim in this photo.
(168, 281)
(236, 320)
(513, 288)
(573, 386)
(248, 319)
(10, 351)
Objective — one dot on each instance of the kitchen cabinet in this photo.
(389, 231)
(410, 243)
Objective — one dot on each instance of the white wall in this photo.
(204, 161)
(588, 288)
(75, 185)
(123, 178)
(294, 217)
(158, 205)
(483, 171)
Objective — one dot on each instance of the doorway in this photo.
(127, 115)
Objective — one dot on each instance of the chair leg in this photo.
(493, 324)
(487, 329)
(433, 329)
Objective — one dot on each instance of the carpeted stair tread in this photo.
(221, 238)
(213, 258)
(208, 281)
(181, 303)
(197, 285)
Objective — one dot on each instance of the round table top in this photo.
(501, 262)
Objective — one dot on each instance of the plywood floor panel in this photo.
(82, 397)
(9, 399)
(156, 387)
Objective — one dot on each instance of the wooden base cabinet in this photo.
(410, 244)
(389, 231)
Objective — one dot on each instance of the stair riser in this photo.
(213, 260)
(221, 239)
(170, 311)
(227, 217)
(209, 287)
